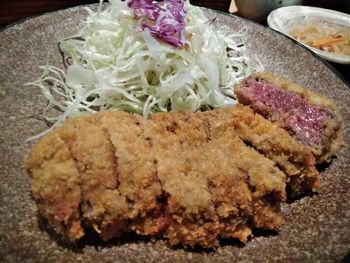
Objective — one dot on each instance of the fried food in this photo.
(170, 176)
(295, 159)
(192, 178)
(217, 186)
(56, 185)
(310, 117)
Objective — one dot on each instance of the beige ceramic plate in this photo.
(317, 227)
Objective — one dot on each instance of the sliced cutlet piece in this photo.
(310, 117)
(192, 217)
(103, 207)
(295, 159)
(217, 187)
(247, 188)
(137, 175)
(56, 185)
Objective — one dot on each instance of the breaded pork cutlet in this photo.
(191, 177)
(216, 186)
(310, 117)
(116, 172)
(295, 159)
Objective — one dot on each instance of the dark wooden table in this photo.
(15, 10)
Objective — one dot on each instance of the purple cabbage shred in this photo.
(165, 19)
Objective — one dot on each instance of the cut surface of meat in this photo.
(305, 121)
(311, 118)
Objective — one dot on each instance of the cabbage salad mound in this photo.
(145, 57)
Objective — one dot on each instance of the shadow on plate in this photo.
(91, 239)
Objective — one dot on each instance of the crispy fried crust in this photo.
(295, 159)
(172, 175)
(103, 207)
(223, 182)
(138, 181)
(332, 138)
(56, 185)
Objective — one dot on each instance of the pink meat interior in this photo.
(305, 121)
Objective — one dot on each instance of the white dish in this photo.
(284, 18)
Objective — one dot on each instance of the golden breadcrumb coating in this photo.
(138, 181)
(170, 175)
(222, 182)
(295, 159)
(103, 207)
(56, 185)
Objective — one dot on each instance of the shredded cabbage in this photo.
(116, 66)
